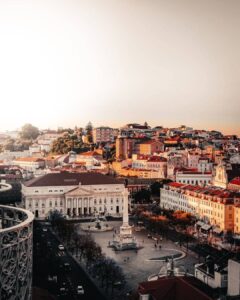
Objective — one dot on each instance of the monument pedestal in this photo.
(125, 240)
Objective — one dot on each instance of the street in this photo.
(56, 271)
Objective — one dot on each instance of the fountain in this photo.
(98, 224)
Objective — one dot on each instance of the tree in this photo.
(142, 196)
(155, 188)
(9, 145)
(89, 129)
(69, 142)
(29, 132)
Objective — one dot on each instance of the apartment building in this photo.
(213, 205)
(103, 134)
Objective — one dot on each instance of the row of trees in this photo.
(71, 141)
(27, 134)
(87, 251)
(145, 196)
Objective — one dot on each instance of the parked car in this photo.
(80, 290)
(61, 247)
(63, 291)
(67, 267)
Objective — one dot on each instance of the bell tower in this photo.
(220, 178)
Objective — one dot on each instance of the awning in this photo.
(217, 230)
(206, 227)
(199, 223)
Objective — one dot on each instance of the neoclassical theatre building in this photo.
(74, 194)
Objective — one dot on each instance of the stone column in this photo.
(77, 206)
(125, 207)
(71, 207)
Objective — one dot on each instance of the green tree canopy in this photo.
(69, 142)
(89, 134)
(29, 132)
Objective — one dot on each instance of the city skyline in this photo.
(119, 125)
(65, 63)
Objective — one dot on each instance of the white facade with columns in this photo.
(101, 199)
(75, 200)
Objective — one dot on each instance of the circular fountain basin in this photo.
(165, 254)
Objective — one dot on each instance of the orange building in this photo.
(150, 147)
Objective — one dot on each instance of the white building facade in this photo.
(73, 194)
(195, 178)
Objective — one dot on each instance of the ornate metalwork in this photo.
(15, 253)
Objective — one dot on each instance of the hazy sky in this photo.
(168, 62)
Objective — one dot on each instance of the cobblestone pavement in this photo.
(136, 265)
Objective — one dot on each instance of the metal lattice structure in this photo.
(15, 252)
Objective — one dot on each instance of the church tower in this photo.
(220, 179)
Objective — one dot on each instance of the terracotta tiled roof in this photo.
(150, 142)
(208, 191)
(176, 184)
(175, 288)
(157, 159)
(29, 159)
(235, 181)
(89, 153)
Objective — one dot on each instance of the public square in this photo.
(137, 265)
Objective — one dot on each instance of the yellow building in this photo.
(150, 147)
(237, 219)
(214, 205)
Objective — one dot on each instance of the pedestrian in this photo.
(155, 245)
(160, 247)
(143, 241)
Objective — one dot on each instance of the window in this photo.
(50, 203)
(43, 205)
